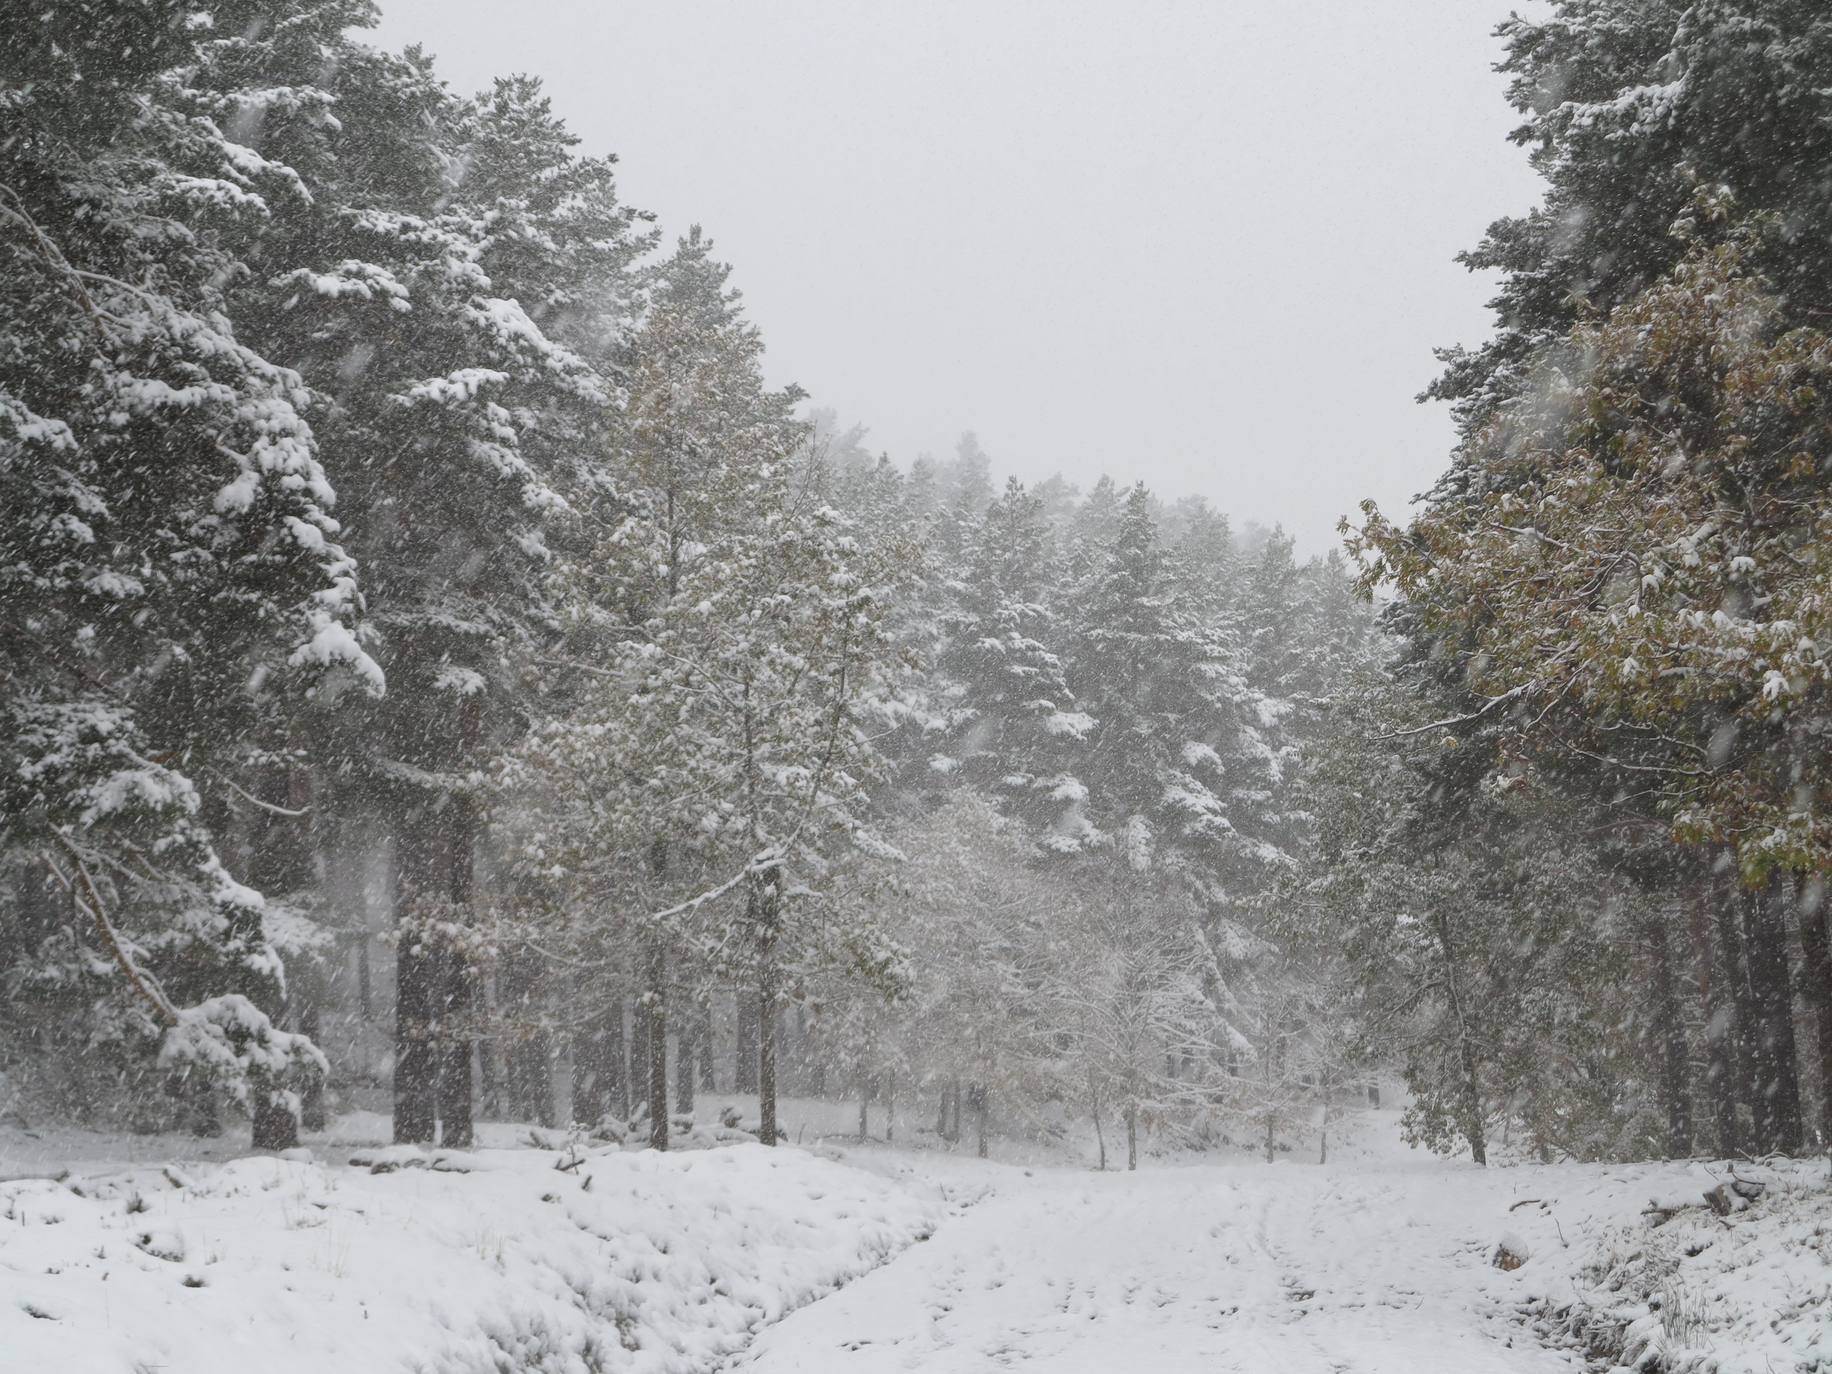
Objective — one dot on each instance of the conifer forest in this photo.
(470, 731)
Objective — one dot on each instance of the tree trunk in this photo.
(1469, 1089)
(864, 1105)
(365, 979)
(1100, 1135)
(810, 1054)
(1777, 1101)
(280, 860)
(655, 1017)
(890, 1108)
(639, 1058)
(1132, 1138)
(766, 1056)
(1816, 964)
(456, 1005)
(708, 1080)
(457, 1102)
(527, 1046)
(416, 1108)
(1718, 996)
(686, 1050)
(489, 1066)
(275, 1125)
(458, 1014)
(617, 1065)
(1675, 1054)
(311, 1092)
(744, 1071)
(591, 1067)
(1323, 1134)
(982, 1102)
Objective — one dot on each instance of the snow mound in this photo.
(493, 1262)
(1658, 1276)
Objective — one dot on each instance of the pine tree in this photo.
(171, 566)
(1014, 729)
(1631, 109)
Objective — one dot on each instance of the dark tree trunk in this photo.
(890, 1108)
(311, 1092)
(686, 1050)
(656, 1014)
(811, 1053)
(653, 1010)
(1727, 895)
(281, 859)
(415, 1071)
(1675, 1057)
(744, 1070)
(1816, 964)
(981, 1103)
(617, 1090)
(458, 1015)
(275, 1126)
(489, 1066)
(365, 978)
(1776, 1106)
(1469, 1087)
(864, 1104)
(1132, 1138)
(639, 1058)
(281, 855)
(708, 1080)
(767, 1009)
(1718, 998)
(527, 1045)
(457, 1091)
(655, 1036)
(1100, 1134)
(591, 1071)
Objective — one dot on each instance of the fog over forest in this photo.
(529, 841)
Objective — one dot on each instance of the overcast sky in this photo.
(1204, 244)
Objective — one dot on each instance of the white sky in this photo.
(1203, 244)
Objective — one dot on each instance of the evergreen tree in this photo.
(1014, 729)
(169, 567)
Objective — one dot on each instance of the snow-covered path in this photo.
(1281, 1270)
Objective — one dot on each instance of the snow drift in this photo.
(497, 1262)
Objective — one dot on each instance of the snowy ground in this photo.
(1382, 1262)
(482, 1263)
(728, 1258)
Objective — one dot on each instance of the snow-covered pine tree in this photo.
(1178, 771)
(454, 427)
(708, 778)
(1013, 727)
(1630, 109)
(170, 564)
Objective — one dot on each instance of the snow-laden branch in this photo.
(1451, 721)
(82, 890)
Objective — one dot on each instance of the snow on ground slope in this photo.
(1272, 1270)
(625, 1261)
(1382, 1260)
(1655, 1279)
(1380, 1263)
